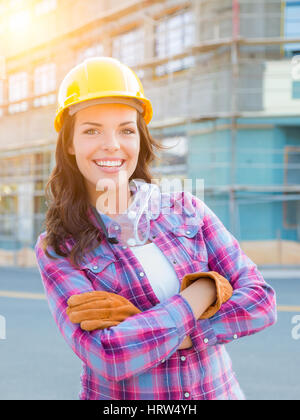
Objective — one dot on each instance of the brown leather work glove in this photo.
(99, 309)
(223, 288)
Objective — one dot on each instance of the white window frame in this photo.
(45, 78)
(289, 154)
(172, 36)
(129, 48)
(17, 90)
(292, 25)
(1, 97)
(18, 86)
(45, 82)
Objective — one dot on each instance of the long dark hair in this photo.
(67, 198)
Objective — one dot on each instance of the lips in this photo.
(109, 163)
(110, 167)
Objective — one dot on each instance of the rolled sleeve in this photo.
(203, 335)
(130, 348)
(252, 306)
(179, 309)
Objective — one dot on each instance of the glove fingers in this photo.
(86, 297)
(78, 316)
(106, 304)
(97, 295)
(97, 324)
(117, 314)
(94, 304)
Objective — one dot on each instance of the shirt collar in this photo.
(179, 198)
(165, 200)
(137, 189)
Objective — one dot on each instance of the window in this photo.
(292, 25)
(95, 50)
(18, 90)
(2, 67)
(18, 166)
(45, 82)
(295, 89)
(18, 86)
(45, 6)
(173, 36)
(42, 163)
(1, 97)
(129, 49)
(292, 177)
(8, 212)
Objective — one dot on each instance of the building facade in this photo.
(222, 76)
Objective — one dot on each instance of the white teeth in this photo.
(108, 163)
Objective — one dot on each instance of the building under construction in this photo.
(224, 80)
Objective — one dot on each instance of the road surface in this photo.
(36, 363)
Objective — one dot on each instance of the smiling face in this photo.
(106, 142)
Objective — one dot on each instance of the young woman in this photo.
(146, 287)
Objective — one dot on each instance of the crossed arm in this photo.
(251, 308)
(200, 295)
(99, 310)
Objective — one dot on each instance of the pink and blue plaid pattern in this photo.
(139, 358)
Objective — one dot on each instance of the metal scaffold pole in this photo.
(234, 96)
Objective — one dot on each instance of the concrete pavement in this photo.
(280, 272)
(36, 363)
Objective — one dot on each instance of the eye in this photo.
(129, 131)
(91, 131)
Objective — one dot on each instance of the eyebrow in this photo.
(101, 125)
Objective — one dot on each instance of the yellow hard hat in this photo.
(101, 77)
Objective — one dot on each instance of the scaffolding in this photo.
(235, 66)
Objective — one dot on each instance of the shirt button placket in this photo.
(186, 376)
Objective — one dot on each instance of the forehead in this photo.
(114, 111)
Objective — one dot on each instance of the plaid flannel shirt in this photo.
(139, 358)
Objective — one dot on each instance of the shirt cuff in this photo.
(182, 314)
(203, 335)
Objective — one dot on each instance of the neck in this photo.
(113, 201)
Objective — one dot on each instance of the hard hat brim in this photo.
(147, 114)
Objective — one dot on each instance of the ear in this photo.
(71, 150)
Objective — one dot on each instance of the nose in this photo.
(110, 143)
